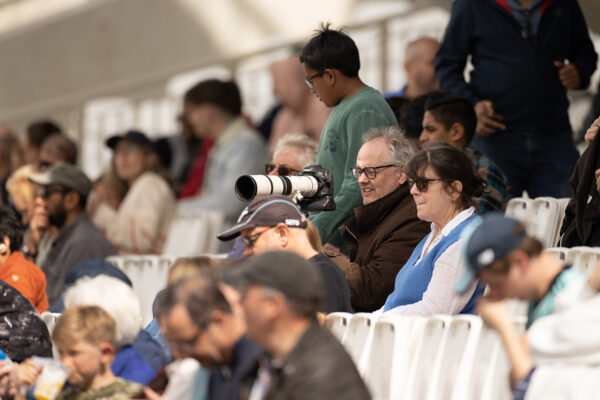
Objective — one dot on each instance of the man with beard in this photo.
(62, 193)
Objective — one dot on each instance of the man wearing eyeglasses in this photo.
(385, 230)
(62, 193)
(331, 63)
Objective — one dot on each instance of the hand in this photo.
(592, 131)
(39, 221)
(151, 394)
(28, 373)
(487, 119)
(493, 313)
(568, 75)
(8, 381)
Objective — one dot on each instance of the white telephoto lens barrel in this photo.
(248, 187)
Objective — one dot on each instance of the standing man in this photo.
(526, 55)
(331, 63)
(419, 65)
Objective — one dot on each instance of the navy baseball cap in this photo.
(486, 241)
(267, 211)
(132, 135)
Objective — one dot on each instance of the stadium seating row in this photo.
(441, 357)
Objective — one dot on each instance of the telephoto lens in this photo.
(248, 187)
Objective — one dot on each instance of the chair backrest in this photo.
(520, 208)
(546, 218)
(560, 253)
(50, 319)
(337, 323)
(388, 361)
(586, 260)
(424, 369)
(358, 338)
(457, 358)
(148, 274)
(193, 232)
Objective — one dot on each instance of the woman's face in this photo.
(434, 203)
(130, 160)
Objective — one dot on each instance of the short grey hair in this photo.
(401, 149)
(298, 140)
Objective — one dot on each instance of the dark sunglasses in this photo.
(283, 170)
(46, 191)
(422, 183)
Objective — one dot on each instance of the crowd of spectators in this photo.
(421, 177)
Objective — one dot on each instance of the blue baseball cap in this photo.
(486, 241)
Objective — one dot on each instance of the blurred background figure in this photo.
(10, 159)
(21, 192)
(419, 64)
(35, 135)
(57, 148)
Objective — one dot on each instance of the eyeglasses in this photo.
(310, 79)
(283, 169)
(250, 240)
(422, 183)
(46, 191)
(370, 172)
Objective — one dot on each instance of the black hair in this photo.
(37, 132)
(398, 104)
(331, 49)
(449, 109)
(225, 95)
(449, 164)
(412, 117)
(11, 227)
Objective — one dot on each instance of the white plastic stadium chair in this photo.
(520, 208)
(337, 323)
(193, 233)
(358, 338)
(546, 220)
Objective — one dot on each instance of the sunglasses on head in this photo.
(282, 170)
(422, 183)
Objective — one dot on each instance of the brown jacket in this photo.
(380, 238)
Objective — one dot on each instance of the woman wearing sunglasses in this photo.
(443, 184)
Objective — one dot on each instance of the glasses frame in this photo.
(422, 183)
(370, 172)
(280, 168)
(249, 241)
(309, 80)
(46, 191)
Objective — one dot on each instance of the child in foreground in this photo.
(85, 338)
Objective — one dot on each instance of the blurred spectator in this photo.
(107, 189)
(331, 63)
(214, 113)
(306, 360)
(62, 192)
(523, 68)
(451, 119)
(301, 112)
(139, 357)
(35, 135)
(200, 323)
(419, 64)
(443, 184)
(276, 223)
(57, 148)
(15, 270)
(8, 146)
(22, 192)
(385, 230)
(141, 223)
(581, 224)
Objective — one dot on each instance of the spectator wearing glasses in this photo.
(443, 184)
(275, 223)
(331, 63)
(385, 230)
(62, 193)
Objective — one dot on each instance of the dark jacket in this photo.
(317, 368)
(380, 238)
(514, 71)
(581, 225)
(23, 334)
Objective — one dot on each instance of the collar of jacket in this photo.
(374, 213)
(505, 6)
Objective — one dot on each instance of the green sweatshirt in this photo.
(338, 147)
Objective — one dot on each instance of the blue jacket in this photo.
(515, 72)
